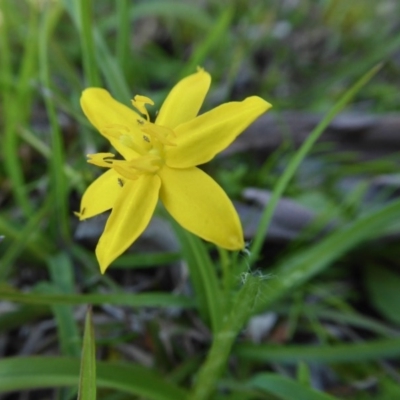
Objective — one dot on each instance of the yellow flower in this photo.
(160, 161)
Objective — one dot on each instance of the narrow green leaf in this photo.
(203, 277)
(23, 239)
(214, 37)
(299, 156)
(123, 36)
(383, 287)
(134, 300)
(58, 182)
(110, 69)
(285, 388)
(21, 316)
(28, 69)
(87, 379)
(303, 265)
(176, 10)
(36, 245)
(337, 353)
(352, 319)
(19, 373)
(223, 340)
(303, 374)
(74, 177)
(85, 12)
(11, 114)
(60, 268)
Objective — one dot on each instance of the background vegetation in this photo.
(326, 297)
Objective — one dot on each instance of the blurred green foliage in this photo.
(334, 295)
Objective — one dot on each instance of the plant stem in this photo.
(223, 341)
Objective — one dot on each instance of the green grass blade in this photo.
(223, 340)
(303, 265)
(203, 277)
(184, 12)
(87, 379)
(74, 177)
(22, 315)
(123, 36)
(19, 373)
(327, 354)
(349, 68)
(383, 288)
(352, 319)
(28, 69)
(21, 241)
(58, 182)
(111, 71)
(291, 169)
(87, 43)
(285, 388)
(60, 268)
(214, 38)
(153, 299)
(12, 115)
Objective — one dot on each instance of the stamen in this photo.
(124, 135)
(101, 159)
(149, 163)
(126, 172)
(139, 102)
(127, 141)
(160, 133)
(80, 214)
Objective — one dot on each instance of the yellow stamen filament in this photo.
(159, 133)
(127, 141)
(149, 163)
(124, 135)
(139, 102)
(101, 159)
(126, 172)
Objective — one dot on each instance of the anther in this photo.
(128, 141)
(140, 102)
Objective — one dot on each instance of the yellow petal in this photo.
(200, 205)
(105, 113)
(130, 215)
(185, 99)
(200, 139)
(101, 195)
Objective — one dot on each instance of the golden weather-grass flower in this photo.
(159, 162)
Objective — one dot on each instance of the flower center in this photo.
(146, 139)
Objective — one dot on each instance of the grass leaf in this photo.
(19, 373)
(285, 388)
(327, 354)
(48, 296)
(87, 379)
(203, 277)
(383, 287)
(299, 156)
